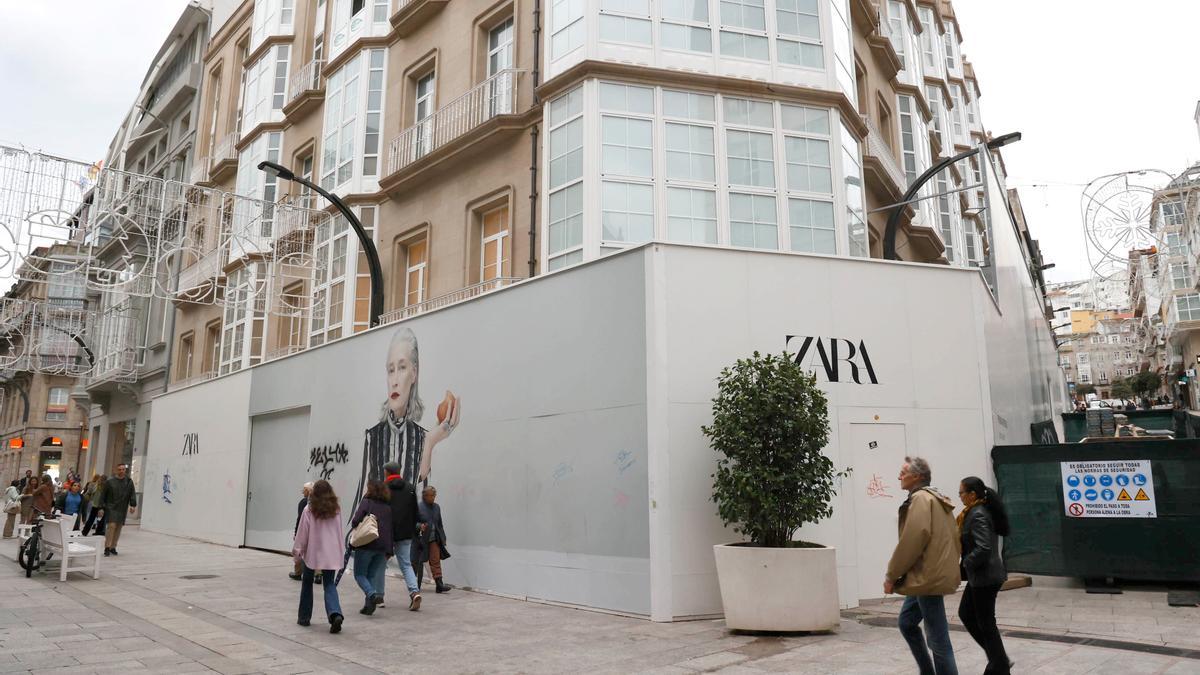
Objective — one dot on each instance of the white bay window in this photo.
(353, 93)
(735, 172)
(265, 88)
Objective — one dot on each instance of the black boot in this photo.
(441, 586)
(369, 607)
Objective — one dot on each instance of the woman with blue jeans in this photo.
(370, 560)
(320, 545)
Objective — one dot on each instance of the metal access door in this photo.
(878, 451)
(278, 470)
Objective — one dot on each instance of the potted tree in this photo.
(770, 423)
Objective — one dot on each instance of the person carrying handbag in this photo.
(372, 542)
(12, 508)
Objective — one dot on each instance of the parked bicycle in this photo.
(29, 556)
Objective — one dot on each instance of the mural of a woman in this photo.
(398, 437)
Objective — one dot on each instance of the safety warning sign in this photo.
(1134, 498)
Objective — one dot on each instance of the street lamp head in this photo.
(1001, 141)
(276, 169)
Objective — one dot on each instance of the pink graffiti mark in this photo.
(876, 488)
(620, 499)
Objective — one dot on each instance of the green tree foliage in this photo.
(1122, 388)
(1145, 383)
(770, 423)
(1084, 389)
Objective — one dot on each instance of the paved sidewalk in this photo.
(1060, 607)
(142, 616)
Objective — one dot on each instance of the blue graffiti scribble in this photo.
(166, 487)
(563, 470)
(625, 459)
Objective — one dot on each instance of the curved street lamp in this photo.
(364, 240)
(893, 222)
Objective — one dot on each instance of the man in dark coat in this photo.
(431, 544)
(119, 495)
(406, 520)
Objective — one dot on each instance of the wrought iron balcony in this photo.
(460, 295)
(224, 158)
(492, 99)
(199, 278)
(306, 89)
(884, 159)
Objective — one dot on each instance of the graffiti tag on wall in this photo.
(166, 487)
(191, 444)
(326, 458)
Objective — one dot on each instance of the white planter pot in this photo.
(778, 589)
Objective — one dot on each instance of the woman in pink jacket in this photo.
(320, 546)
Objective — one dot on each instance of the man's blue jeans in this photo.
(332, 605)
(369, 566)
(404, 559)
(932, 610)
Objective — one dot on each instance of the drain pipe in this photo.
(533, 196)
(533, 138)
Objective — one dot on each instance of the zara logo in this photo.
(191, 444)
(829, 353)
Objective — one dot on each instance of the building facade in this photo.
(43, 418)
(1106, 351)
(151, 157)
(558, 135)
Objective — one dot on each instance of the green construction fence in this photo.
(1044, 540)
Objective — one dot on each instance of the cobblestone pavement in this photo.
(143, 616)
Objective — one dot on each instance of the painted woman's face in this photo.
(401, 375)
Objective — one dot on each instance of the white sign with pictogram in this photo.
(1108, 489)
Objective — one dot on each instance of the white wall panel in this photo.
(207, 477)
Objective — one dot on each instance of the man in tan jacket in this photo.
(924, 567)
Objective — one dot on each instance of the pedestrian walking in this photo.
(43, 496)
(27, 499)
(89, 491)
(12, 507)
(430, 544)
(319, 544)
(370, 559)
(25, 479)
(924, 568)
(70, 503)
(97, 509)
(298, 567)
(982, 522)
(118, 496)
(405, 518)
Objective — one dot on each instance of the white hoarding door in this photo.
(876, 453)
(278, 471)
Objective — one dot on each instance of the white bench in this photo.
(57, 538)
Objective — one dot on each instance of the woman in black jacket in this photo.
(370, 559)
(982, 522)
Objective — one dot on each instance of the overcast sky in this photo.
(70, 69)
(1095, 86)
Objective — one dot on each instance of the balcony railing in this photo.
(194, 379)
(224, 151)
(306, 79)
(879, 148)
(207, 267)
(491, 98)
(460, 295)
(283, 351)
